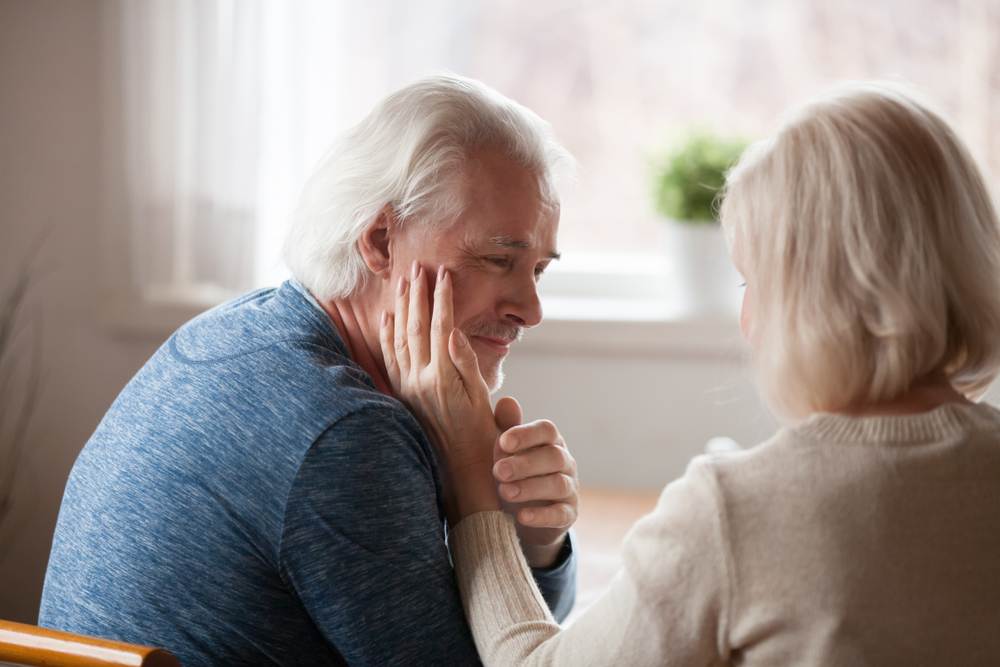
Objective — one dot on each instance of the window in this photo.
(229, 104)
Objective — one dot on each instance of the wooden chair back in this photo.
(31, 645)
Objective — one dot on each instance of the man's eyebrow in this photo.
(518, 244)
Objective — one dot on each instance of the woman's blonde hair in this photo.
(871, 244)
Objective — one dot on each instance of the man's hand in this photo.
(537, 482)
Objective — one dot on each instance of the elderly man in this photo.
(256, 495)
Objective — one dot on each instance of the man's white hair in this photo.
(871, 244)
(408, 154)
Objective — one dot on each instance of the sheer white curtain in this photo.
(228, 104)
(191, 92)
(302, 111)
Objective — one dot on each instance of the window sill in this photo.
(133, 315)
(607, 326)
(631, 327)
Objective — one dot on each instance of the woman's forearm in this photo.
(506, 611)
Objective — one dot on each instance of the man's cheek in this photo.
(464, 291)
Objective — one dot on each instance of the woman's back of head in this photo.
(871, 246)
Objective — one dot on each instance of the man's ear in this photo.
(374, 243)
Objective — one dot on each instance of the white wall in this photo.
(49, 179)
(635, 421)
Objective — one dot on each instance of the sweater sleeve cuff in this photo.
(497, 587)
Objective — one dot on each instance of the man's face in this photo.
(495, 253)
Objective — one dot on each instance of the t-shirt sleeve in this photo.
(557, 584)
(668, 605)
(363, 545)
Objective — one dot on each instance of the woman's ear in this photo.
(374, 243)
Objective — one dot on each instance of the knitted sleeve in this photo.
(668, 605)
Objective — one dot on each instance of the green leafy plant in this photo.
(20, 384)
(689, 178)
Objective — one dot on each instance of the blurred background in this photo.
(151, 151)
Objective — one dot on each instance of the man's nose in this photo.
(523, 307)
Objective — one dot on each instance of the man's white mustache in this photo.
(501, 330)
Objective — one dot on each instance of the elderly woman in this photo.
(865, 532)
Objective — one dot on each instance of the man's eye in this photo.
(498, 261)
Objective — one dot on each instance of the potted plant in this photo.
(701, 280)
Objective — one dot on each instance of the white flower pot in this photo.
(701, 281)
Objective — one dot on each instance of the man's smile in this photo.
(495, 336)
(500, 345)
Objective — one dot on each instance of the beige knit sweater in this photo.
(841, 541)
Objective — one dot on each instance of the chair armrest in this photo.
(35, 646)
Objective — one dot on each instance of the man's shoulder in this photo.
(255, 322)
(268, 355)
(263, 368)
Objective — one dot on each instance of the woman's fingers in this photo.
(419, 338)
(467, 364)
(400, 342)
(419, 319)
(387, 341)
(442, 319)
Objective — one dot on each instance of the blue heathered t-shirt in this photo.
(251, 499)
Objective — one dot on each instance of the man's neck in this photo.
(361, 338)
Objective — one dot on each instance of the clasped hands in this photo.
(491, 460)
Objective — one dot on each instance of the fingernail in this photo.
(415, 272)
(401, 288)
(441, 273)
(527, 515)
(460, 339)
(505, 470)
(510, 490)
(385, 319)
